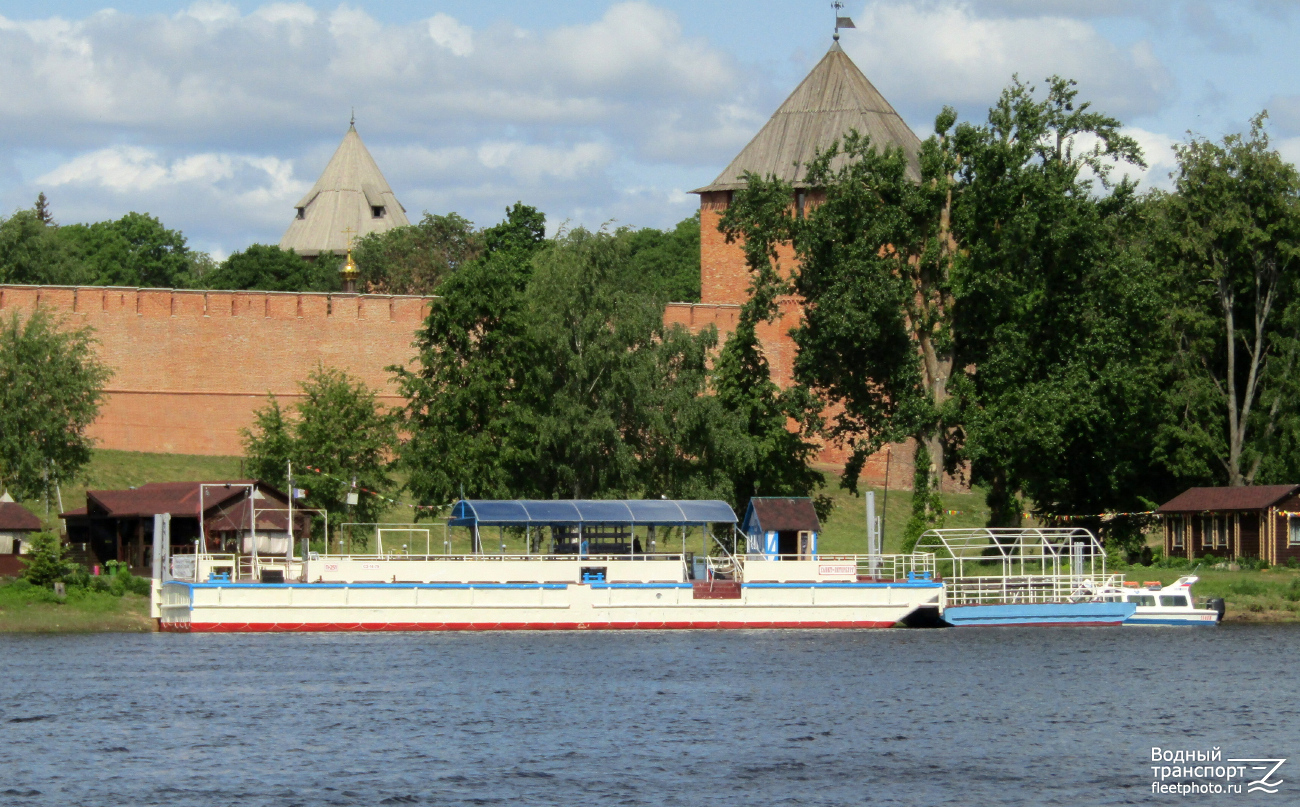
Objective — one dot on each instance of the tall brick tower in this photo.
(834, 98)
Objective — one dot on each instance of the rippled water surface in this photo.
(964, 717)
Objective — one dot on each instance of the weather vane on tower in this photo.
(841, 22)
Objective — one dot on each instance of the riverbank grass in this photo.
(25, 608)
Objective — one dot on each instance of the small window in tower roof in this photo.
(377, 211)
(302, 212)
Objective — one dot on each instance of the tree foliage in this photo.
(1060, 312)
(46, 564)
(416, 259)
(32, 253)
(135, 250)
(545, 370)
(669, 258)
(997, 311)
(51, 387)
(269, 268)
(339, 428)
(1230, 233)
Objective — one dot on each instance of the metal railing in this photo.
(1018, 589)
(870, 567)
(398, 556)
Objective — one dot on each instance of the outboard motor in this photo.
(1217, 604)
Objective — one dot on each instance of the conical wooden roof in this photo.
(348, 194)
(834, 98)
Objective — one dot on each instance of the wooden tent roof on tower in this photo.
(350, 196)
(834, 98)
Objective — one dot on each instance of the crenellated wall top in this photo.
(159, 303)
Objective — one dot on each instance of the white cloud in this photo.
(532, 162)
(932, 54)
(215, 119)
(1289, 149)
(450, 34)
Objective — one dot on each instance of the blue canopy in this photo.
(571, 512)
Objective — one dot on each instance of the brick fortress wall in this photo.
(190, 367)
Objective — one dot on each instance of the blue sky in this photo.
(216, 116)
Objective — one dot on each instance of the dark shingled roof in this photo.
(1255, 497)
(16, 518)
(175, 498)
(778, 515)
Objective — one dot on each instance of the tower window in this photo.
(377, 211)
(801, 201)
(302, 212)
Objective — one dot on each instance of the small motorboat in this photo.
(1164, 605)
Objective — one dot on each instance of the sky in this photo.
(216, 117)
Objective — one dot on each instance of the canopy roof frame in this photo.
(1048, 547)
(576, 512)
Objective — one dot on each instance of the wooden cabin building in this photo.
(778, 527)
(17, 525)
(118, 524)
(1260, 521)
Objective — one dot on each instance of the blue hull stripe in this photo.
(1082, 613)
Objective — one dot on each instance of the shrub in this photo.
(1246, 588)
(45, 563)
(1292, 592)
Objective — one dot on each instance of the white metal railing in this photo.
(872, 567)
(396, 556)
(727, 566)
(1019, 589)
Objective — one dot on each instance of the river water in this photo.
(965, 717)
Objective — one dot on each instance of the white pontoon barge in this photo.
(587, 565)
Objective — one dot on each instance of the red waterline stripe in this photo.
(299, 627)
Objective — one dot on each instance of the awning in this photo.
(571, 512)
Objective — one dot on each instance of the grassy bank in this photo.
(30, 609)
(845, 532)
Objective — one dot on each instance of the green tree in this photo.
(1060, 311)
(874, 259)
(466, 381)
(45, 562)
(135, 250)
(340, 430)
(31, 251)
(416, 259)
(772, 458)
(671, 258)
(1000, 311)
(545, 370)
(269, 268)
(51, 387)
(1231, 234)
